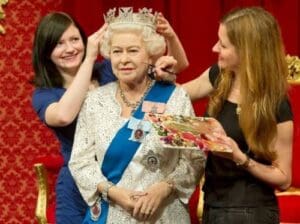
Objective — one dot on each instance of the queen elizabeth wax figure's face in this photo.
(228, 57)
(69, 50)
(129, 57)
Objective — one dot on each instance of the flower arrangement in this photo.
(177, 131)
(294, 68)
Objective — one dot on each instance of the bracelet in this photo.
(104, 193)
(244, 164)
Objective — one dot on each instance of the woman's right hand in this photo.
(146, 206)
(164, 68)
(94, 41)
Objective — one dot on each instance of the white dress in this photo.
(98, 122)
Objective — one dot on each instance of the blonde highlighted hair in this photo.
(263, 71)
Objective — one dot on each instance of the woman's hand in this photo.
(94, 42)
(236, 156)
(124, 198)
(164, 68)
(215, 125)
(164, 28)
(279, 173)
(146, 206)
(174, 45)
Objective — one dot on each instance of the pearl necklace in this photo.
(134, 105)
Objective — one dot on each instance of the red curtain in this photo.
(196, 23)
(23, 137)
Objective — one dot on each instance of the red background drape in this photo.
(23, 137)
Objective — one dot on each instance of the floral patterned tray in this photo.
(176, 131)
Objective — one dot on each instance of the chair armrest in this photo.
(289, 204)
(200, 207)
(290, 191)
(42, 199)
(52, 163)
(46, 169)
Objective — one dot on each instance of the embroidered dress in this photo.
(97, 125)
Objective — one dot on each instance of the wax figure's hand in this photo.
(164, 28)
(93, 43)
(164, 68)
(146, 206)
(124, 197)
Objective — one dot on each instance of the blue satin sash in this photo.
(121, 150)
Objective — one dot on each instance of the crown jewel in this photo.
(144, 17)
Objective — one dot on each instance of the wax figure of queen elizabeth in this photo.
(133, 179)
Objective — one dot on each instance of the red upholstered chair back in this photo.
(294, 95)
(289, 201)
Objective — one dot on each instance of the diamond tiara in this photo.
(144, 17)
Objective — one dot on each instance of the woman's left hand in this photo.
(146, 206)
(163, 27)
(237, 155)
(94, 42)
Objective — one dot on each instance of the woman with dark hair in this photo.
(63, 61)
(65, 69)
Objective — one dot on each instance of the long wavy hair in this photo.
(263, 71)
(47, 35)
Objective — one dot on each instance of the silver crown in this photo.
(144, 17)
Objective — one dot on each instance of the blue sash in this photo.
(121, 150)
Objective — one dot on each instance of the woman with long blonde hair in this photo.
(248, 96)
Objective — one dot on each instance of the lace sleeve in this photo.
(83, 165)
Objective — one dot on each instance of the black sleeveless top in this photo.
(227, 185)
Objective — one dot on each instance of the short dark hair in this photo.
(47, 35)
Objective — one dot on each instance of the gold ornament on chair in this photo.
(294, 69)
(2, 15)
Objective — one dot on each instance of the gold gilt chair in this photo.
(46, 169)
(200, 206)
(42, 199)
